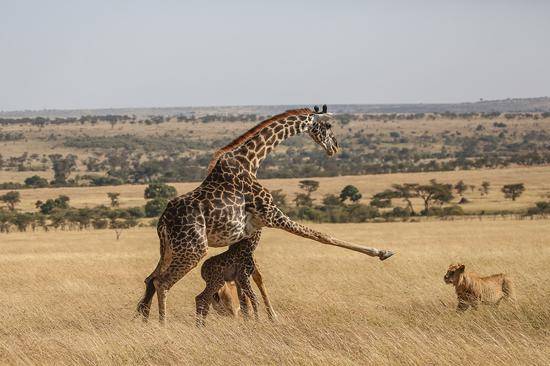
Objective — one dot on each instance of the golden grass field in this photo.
(68, 298)
(536, 181)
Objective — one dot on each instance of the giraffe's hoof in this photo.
(273, 317)
(385, 254)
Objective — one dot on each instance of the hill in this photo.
(541, 104)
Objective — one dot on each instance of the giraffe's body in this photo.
(231, 206)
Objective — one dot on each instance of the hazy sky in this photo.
(93, 54)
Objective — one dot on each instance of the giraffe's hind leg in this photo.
(186, 256)
(144, 304)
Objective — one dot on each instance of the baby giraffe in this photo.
(226, 300)
(236, 264)
(472, 289)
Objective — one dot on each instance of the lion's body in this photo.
(472, 289)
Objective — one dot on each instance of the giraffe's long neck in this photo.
(255, 150)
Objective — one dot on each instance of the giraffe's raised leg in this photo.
(258, 279)
(273, 217)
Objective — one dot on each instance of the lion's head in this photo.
(453, 273)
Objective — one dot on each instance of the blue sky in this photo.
(101, 54)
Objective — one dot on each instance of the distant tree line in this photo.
(253, 117)
(56, 213)
(347, 206)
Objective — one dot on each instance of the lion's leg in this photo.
(462, 306)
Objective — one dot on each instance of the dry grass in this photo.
(68, 298)
(535, 178)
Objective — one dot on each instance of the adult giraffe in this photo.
(231, 206)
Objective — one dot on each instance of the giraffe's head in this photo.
(320, 130)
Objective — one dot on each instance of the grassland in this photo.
(68, 298)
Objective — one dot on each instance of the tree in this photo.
(434, 193)
(61, 202)
(113, 196)
(11, 199)
(36, 181)
(406, 192)
(331, 200)
(383, 199)
(460, 187)
(279, 198)
(303, 200)
(22, 220)
(350, 192)
(119, 225)
(309, 186)
(485, 188)
(62, 167)
(160, 190)
(155, 207)
(513, 191)
(5, 220)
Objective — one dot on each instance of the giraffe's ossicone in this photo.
(230, 206)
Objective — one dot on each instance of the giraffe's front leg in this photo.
(273, 217)
(244, 283)
(242, 301)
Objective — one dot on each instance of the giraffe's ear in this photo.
(325, 108)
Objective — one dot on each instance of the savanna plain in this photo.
(69, 298)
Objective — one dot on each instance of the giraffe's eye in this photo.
(329, 125)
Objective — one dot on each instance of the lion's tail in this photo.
(508, 288)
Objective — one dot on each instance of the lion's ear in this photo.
(461, 267)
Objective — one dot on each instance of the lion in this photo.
(472, 289)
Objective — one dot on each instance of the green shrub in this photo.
(61, 202)
(100, 223)
(400, 212)
(541, 208)
(36, 181)
(136, 212)
(155, 207)
(362, 213)
(160, 190)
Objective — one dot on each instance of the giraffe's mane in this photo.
(239, 141)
